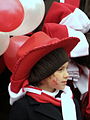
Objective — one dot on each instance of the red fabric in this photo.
(55, 30)
(58, 11)
(10, 56)
(75, 3)
(44, 98)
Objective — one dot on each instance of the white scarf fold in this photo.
(68, 106)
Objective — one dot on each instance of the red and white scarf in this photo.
(65, 101)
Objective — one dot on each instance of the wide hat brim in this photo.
(32, 51)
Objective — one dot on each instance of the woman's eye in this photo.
(60, 69)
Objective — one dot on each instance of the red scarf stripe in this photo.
(44, 98)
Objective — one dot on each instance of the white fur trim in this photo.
(77, 20)
(82, 48)
(15, 96)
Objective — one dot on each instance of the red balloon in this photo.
(11, 15)
(10, 56)
(2, 64)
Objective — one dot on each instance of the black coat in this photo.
(28, 109)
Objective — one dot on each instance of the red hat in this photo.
(37, 46)
(60, 31)
(75, 3)
(57, 12)
(63, 13)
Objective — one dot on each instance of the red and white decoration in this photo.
(58, 30)
(34, 11)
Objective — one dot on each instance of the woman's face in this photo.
(60, 77)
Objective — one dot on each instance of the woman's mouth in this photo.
(64, 82)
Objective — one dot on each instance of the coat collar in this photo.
(46, 109)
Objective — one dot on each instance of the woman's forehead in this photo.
(64, 65)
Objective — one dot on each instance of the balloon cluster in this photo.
(17, 18)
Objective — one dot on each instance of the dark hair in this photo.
(47, 65)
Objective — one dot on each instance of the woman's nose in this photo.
(66, 74)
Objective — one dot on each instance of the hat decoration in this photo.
(58, 30)
(64, 13)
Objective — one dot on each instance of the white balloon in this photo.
(34, 11)
(4, 42)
